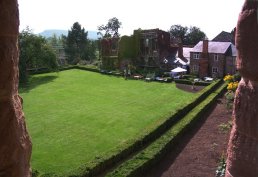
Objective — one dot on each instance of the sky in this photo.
(211, 16)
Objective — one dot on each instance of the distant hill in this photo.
(49, 33)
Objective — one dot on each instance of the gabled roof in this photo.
(224, 37)
(216, 47)
(186, 51)
(179, 61)
(233, 50)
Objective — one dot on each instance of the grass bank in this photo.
(76, 116)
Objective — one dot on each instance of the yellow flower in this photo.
(228, 78)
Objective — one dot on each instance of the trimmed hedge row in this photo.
(46, 70)
(147, 158)
(187, 82)
(108, 160)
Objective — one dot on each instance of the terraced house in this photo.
(213, 59)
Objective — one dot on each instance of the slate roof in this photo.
(224, 37)
(217, 47)
(186, 52)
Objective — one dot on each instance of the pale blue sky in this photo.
(212, 16)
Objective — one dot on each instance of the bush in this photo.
(230, 99)
(221, 170)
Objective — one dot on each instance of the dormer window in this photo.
(216, 57)
(196, 55)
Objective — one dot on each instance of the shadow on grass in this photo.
(35, 82)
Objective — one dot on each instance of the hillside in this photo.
(50, 32)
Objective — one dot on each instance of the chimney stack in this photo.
(205, 46)
(180, 50)
(203, 61)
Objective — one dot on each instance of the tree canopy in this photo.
(111, 28)
(188, 36)
(35, 53)
(76, 44)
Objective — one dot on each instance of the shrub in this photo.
(228, 78)
(232, 86)
(222, 167)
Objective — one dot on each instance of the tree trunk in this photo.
(15, 144)
(243, 144)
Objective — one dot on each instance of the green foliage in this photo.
(71, 125)
(76, 44)
(194, 35)
(221, 169)
(188, 36)
(35, 53)
(129, 47)
(225, 127)
(111, 28)
(147, 158)
(54, 40)
(109, 62)
(237, 76)
(230, 99)
(178, 31)
(91, 50)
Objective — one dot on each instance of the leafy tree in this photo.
(188, 36)
(194, 35)
(35, 53)
(54, 40)
(91, 50)
(111, 28)
(76, 44)
(178, 31)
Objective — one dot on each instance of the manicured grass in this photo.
(74, 116)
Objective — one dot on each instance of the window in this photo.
(216, 57)
(196, 55)
(215, 69)
(195, 68)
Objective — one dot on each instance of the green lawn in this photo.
(74, 116)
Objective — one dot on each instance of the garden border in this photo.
(106, 161)
(147, 158)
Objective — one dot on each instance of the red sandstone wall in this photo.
(15, 144)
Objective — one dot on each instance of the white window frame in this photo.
(196, 55)
(216, 57)
(215, 68)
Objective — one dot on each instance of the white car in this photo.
(208, 79)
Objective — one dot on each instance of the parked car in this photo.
(208, 79)
(197, 80)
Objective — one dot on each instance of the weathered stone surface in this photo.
(247, 40)
(15, 144)
(243, 144)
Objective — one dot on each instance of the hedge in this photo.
(188, 82)
(148, 157)
(110, 159)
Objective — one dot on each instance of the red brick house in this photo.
(213, 59)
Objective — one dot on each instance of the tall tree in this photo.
(76, 44)
(34, 53)
(111, 28)
(188, 36)
(194, 35)
(178, 31)
(91, 50)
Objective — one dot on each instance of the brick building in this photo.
(150, 48)
(213, 59)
